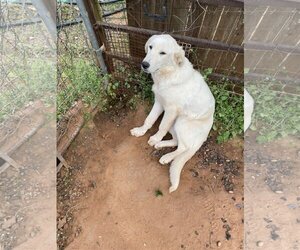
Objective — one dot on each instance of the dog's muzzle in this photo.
(145, 65)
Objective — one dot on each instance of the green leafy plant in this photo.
(35, 80)
(82, 80)
(229, 113)
(134, 85)
(275, 114)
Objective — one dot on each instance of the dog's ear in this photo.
(179, 56)
(148, 42)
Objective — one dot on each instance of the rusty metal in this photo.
(204, 43)
(231, 3)
(253, 45)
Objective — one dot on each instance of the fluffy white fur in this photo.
(248, 109)
(184, 97)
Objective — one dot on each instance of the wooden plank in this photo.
(253, 17)
(180, 13)
(270, 22)
(274, 3)
(4, 167)
(62, 160)
(196, 18)
(290, 35)
(10, 161)
(289, 67)
(211, 26)
(134, 16)
(231, 32)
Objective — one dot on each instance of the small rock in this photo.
(267, 220)
(61, 222)
(259, 243)
(219, 243)
(239, 205)
(194, 173)
(230, 191)
(279, 192)
(292, 206)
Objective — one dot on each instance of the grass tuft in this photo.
(158, 193)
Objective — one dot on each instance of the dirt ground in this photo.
(272, 194)
(115, 194)
(27, 196)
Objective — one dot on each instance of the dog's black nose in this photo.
(145, 65)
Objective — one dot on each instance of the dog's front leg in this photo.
(165, 125)
(155, 112)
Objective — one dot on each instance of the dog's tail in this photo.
(177, 165)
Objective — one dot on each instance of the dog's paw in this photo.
(165, 159)
(159, 145)
(172, 189)
(137, 132)
(154, 140)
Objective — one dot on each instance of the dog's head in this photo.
(162, 51)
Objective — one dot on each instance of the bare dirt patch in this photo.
(109, 197)
(272, 193)
(27, 196)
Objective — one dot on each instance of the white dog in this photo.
(184, 97)
(248, 109)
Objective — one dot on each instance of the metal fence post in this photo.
(47, 12)
(91, 34)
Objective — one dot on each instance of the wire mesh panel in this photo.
(198, 25)
(27, 126)
(78, 71)
(25, 62)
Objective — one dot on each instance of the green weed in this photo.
(275, 114)
(229, 113)
(81, 81)
(35, 80)
(158, 192)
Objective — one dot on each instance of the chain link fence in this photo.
(26, 48)
(27, 137)
(76, 61)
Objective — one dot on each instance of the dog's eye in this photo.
(150, 47)
(162, 53)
